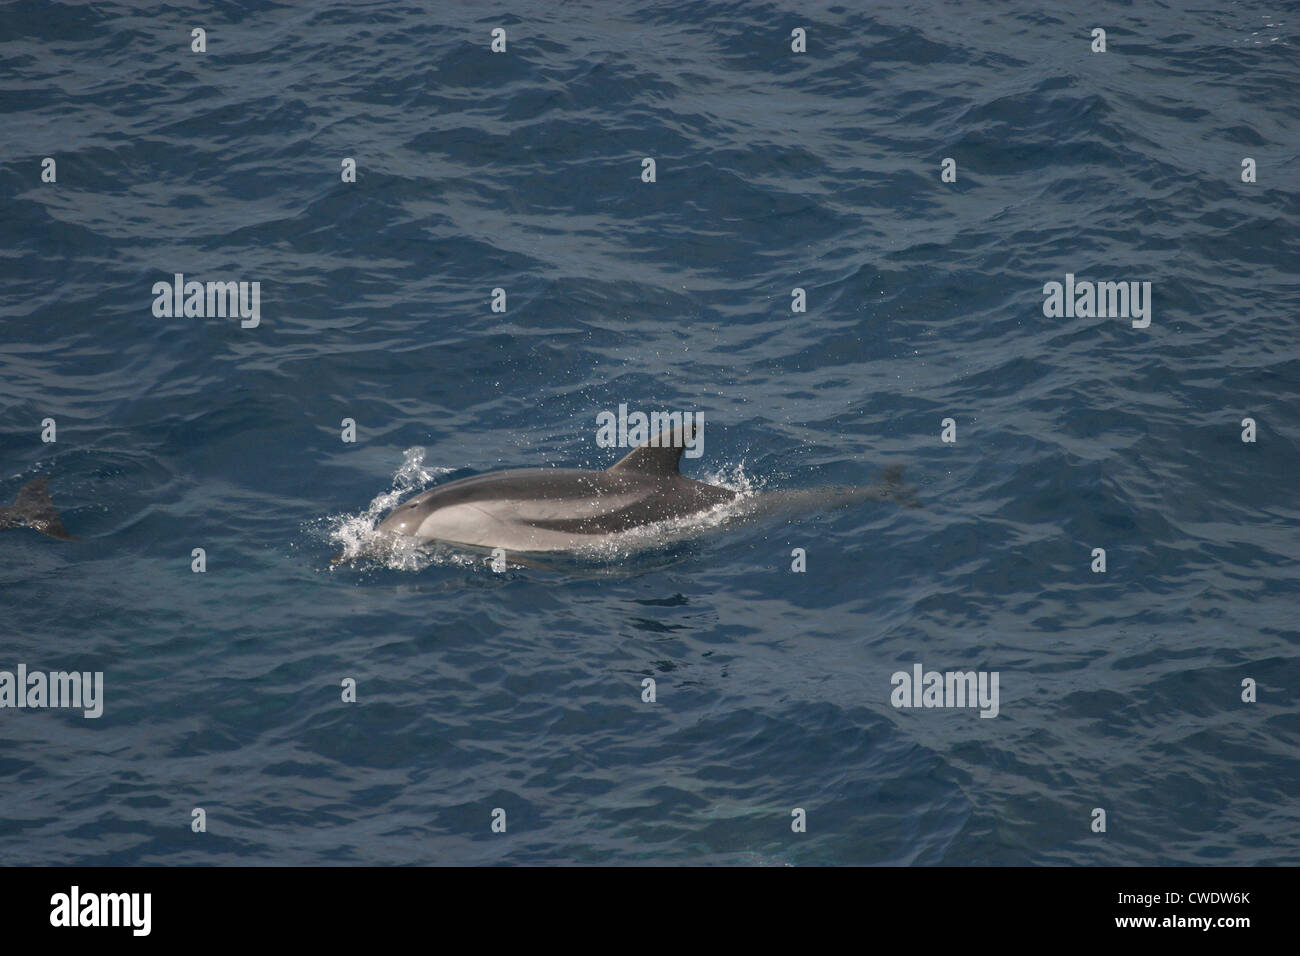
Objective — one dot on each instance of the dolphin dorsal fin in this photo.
(661, 455)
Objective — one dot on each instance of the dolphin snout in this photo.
(401, 520)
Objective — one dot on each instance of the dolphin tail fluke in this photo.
(34, 509)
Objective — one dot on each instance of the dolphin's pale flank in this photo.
(558, 509)
(34, 509)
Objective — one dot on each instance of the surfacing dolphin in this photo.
(570, 509)
(34, 509)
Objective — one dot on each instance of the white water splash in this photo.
(358, 536)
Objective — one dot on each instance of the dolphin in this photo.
(541, 510)
(559, 509)
(34, 509)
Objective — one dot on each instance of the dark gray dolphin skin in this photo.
(558, 509)
(34, 509)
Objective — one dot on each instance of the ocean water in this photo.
(774, 170)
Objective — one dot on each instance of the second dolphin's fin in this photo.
(34, 509)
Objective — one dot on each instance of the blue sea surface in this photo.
(774, 170)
